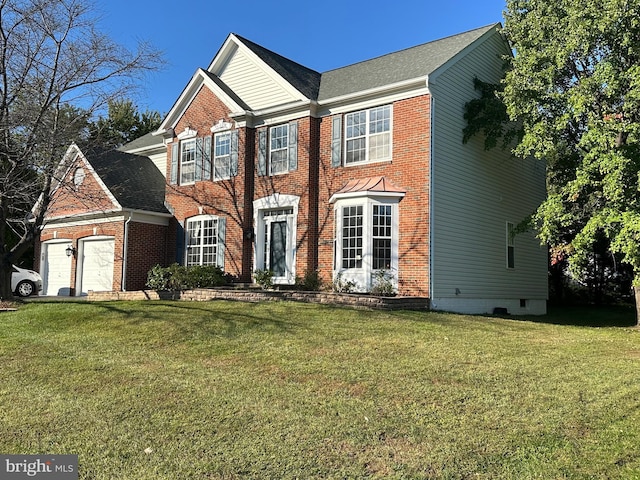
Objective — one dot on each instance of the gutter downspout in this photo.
(431, 183)
(125, 248)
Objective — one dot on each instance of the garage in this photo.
(56, 268)
(95, 264)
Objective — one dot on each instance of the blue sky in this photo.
(321, 35)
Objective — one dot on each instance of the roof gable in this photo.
(260, 77)
(199, 80)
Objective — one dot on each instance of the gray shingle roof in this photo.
(133, 180)
(414, 62)
(148, 140)
(411, 63)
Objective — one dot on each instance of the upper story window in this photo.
(187, 161)
(222, 156)
(194, 159)
(278, 149)
(368, 135)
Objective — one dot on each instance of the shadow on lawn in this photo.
(225, 322)
(588, 316)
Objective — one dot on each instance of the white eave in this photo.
(199, 79)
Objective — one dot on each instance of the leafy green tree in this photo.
(574, 87)
(122, 124)
(56, 70)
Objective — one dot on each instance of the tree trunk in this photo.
(5, 282)
(636, 290)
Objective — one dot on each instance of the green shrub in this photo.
(341, 285)
(264, 278)
(382, 284)
(310, 282)
(179, 277)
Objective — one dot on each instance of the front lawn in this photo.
(177, 390)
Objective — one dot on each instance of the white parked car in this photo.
(25, 283)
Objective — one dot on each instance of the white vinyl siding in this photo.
(253, 83)
(474, 191)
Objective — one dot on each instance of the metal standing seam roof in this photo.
(370, 184)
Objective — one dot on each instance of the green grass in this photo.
(282, 390)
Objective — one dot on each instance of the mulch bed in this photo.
(7, 305)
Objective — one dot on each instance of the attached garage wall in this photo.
(99, 264)
(95, 264)
(56, 268)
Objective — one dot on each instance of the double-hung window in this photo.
(352, 236)
(205, 240)
(187, 161)
(222, 156)
(368, 135)
(381, 236)
(279, 149)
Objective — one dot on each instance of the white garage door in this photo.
(56, 269)
(96, 265)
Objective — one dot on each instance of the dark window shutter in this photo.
(199, 156)
(234, 153)
(336, 141)
(206, 154)
(262, 152)
(174, 162)
(222, 224)
(180, 244)
(293, 146)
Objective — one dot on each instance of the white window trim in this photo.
(367, 137)
(362, 276)
(272, 202)
(181, 164)
(271, 151)
(219, 241)
(216, 157)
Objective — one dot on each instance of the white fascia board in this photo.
(199, 79)
(462, 54)
(282, 114)
(228, 49)
(107, 216)
(74, 152)
(149, 150)
(373, 97)
(144, 216)
(366, 194)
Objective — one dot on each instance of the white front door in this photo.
(96, 265)
(275, 244)
(56, 268)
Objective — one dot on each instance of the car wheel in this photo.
(25, 288)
